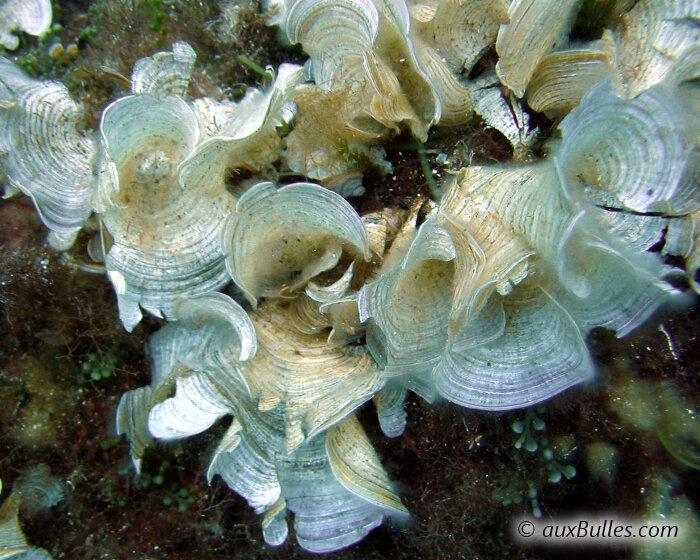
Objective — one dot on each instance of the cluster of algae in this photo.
(166, 20)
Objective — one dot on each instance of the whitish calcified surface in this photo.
(302, 227)
(484, 297)
(32, 16)
(46, 155)
(535, 27)
(13, 543)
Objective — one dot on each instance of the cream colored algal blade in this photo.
(423, 12)
(31, 16)
(397, 12)
(540, 354)
(382, 227)
(344, 319)
(333, 306)
(652, 36)
(43, 151)
(165, 73)
(203, 397)
(421, 285)
(423, 78)
(394, 44)
(12, 539)
(684, 78)
(12, 77)
(329, 147)
(165, 245)
(246, 469)
(357, 467)
(239, 458)
(323, 307)
(61, 241)
(274, 524)
(535, 27)
(637, 154)
(563, 78)
(266, 455)
(334, 33)
(305, 315)
(326, 515)
(459, 31)
(358, 51)
(302, 229)
(320, 384)
(637, 232)
(247, 137)
(388, 104)
(558, 232)
(530, 202)
(13, 543)
(453, 103)
(336, 380)
(167, 349)
(212, 334)
(481, 327)
(228, 444)
(490, 257)
(335, 290)
(196, 311)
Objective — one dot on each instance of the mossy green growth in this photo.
(602, 461)
(158, 477)
(527, 427)
(679, 429)
(516, 491)
(172, 493)
(658, 408)
(48, 56)
(98, 365)
(538, 466)
(179, 497)
(111, 442)
(157, 10)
